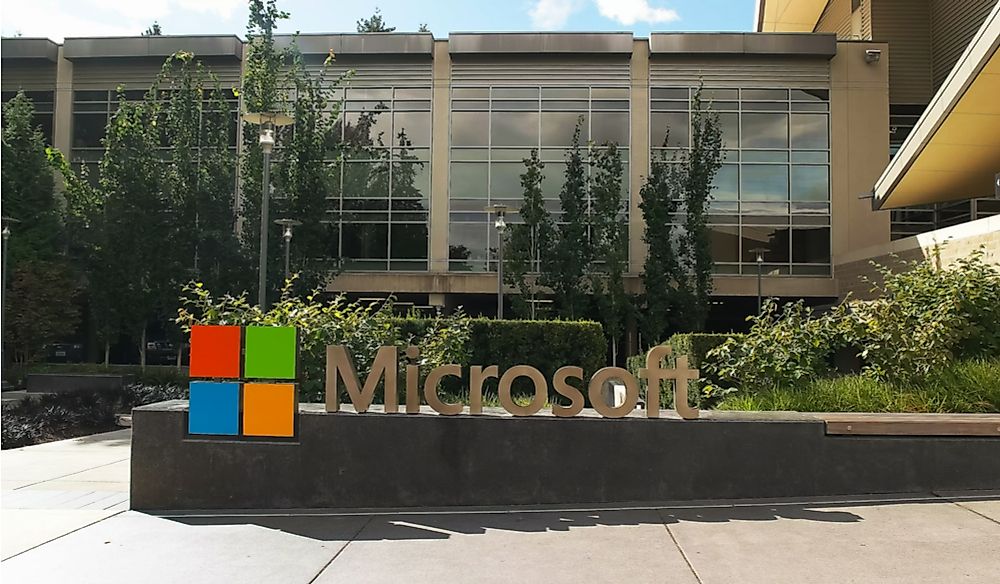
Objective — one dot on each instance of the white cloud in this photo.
(551, 14)
(57, 19)
(629, 12)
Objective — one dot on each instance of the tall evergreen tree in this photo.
(374, 23)
(659, 201)
(530, 240)
(567, 270)
(701, 163)
(610, 243)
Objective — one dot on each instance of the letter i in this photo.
(412, 381)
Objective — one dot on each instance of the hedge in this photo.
(543, 344)
(152, 375)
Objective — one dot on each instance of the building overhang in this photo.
(724, 43)
(953, 151)
(369, 43)
(788, 15)
(29, 48)
(159, 47)
(572, 43)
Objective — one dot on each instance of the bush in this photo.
(697, 345)
(971, 386)
(66, 415)
(927, 316)
(783, 347)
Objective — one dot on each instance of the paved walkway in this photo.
(64, 519)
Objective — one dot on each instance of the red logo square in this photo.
(215, 351)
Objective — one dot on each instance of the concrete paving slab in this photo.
(117, 472)
(73, 485)
(908, 543)
(245, 550)
(23, 529)
(988, 509)
(572, 547)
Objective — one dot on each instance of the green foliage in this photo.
(922, 319)
(971, 386)
(42, 308)
(28, 187)
(925, 316)
(697, 345)
(661, 270)
(152, 375)
(41, 299)
(529, 240)
(700, 164)
(153, 30)
(567, 266)
(610, 243)
(677, 276)
(376, 24)
(785, 346)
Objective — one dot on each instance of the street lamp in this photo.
(287, 225)
(760, 251)
(267, 121)
(501, 225)
(7, 222)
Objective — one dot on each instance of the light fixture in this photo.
(873, 55)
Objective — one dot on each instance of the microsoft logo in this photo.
(243, 381)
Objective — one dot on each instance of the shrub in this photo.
(783, 347)
(926, 316)
(697, 345)
(151, 375)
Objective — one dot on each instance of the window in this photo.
(764, 130)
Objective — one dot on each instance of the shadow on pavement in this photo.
(442, 525)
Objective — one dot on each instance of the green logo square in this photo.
(270, 352)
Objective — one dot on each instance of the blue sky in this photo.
(58, 19)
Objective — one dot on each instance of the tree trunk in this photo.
(107, 352)
(180, 352)
(142, 349)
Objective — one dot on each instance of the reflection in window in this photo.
(514, 129)
(676, 123)
(88, 130)
(469, 179)
(609, 127)
(810, 183)
(809, 131)
(470, 129)
(764, 131)
(727, 183)
(558, 128)
(764, 182)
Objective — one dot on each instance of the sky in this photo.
(58, 19)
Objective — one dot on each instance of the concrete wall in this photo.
(859, 113)
(951, 244)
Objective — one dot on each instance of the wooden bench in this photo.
(875, 424)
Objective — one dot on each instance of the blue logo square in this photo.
(214, 408)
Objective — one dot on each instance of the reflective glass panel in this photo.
(764, 182)
(809, 131)
(514, 128)
(811, 245)
(470, 128)
(810, 183)
(764, 131)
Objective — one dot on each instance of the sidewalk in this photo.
(64, 520)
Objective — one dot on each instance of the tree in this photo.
(135, 217)
(571, 255)
(153, 30)
(41, 307)
(610, 243)
(659, 200)
(700, 163)
(374, 23)
(28, 186)
(528, 246)
(423, 27)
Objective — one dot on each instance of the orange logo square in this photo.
(269, 409)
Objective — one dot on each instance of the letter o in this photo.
(631, 392)
(541, 390)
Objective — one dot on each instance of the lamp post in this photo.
(7, 222)
(760, 267)
(501, 225)
(286, 234)
(267, 121)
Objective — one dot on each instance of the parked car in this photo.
(64, 353)
(162, 352)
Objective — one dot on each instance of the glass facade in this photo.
(773, 190)
(493, 129)
(378, 211)
(910, 221)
